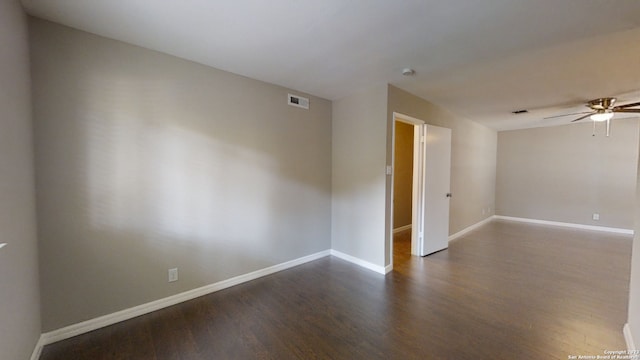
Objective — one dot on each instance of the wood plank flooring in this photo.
(505, 291)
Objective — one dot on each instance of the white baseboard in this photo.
(402, 228)
(110, 319)
(470, 228)
(628, 338)
(35, 355)
(365, 264)
(388, 269)
(563, 224)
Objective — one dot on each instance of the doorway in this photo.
(421, 187)
(403, 155)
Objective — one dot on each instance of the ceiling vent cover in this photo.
(298, 101)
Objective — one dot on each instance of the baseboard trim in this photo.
(628, 338)
(37, 350)
(110, 319)
(365, 264)
(402, 228)
(470, 228)
(388, 269)
(563, 224)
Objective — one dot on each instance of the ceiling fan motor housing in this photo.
(602, 104)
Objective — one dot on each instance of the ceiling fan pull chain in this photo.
(608, 126)
(594, 128)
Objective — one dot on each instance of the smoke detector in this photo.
(408, 72)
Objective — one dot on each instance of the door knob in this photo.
(448, 195)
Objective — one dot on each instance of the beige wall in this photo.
(147, 162)
(361, 200)
(473, 158)
(358, 175)
(634, 282)
(402, 174)
(19, 295)
(565, 174)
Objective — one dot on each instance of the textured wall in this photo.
(358, 179)
(146, 162)
(565, 174)
(19, 295)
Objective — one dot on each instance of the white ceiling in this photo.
(479, 59)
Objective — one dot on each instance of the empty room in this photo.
(319, 179)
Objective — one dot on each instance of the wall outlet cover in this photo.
(173, 274)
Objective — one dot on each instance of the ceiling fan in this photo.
(603, 109)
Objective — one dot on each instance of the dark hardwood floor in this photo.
(505, 291)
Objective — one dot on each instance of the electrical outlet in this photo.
(596, 216)
(173, 274)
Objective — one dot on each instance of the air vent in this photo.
(298, 101)
(524, 111)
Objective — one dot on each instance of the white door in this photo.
(435, 189)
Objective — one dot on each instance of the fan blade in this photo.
(627, 110)
(616, 108)
(582, 117)
(557, 116)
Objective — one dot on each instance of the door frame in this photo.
(417, 208)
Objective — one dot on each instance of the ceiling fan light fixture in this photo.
(602, 115)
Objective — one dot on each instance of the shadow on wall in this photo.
(148, 170)
(166, 180)
(158, 162)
